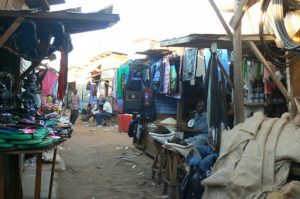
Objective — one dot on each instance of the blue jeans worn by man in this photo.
(100, 116)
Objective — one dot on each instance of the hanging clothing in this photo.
(63, 75)
(189, 64)
(215, 109)
(115, 84)
(47, 82)
(166, 76)
(173, 81)
(122, 78)
(200, 66)
(54, 89)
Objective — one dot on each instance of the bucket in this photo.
(123, 122)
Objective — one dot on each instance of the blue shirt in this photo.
(200, 122)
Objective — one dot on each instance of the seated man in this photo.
(198, 123)
(204, 155)
(105, 113)
(94, 111)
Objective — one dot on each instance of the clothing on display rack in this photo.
(190, 63)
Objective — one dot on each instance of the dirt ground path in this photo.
(102, 163)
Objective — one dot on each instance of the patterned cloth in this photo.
(165, 105)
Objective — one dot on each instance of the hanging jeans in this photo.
(101, 116)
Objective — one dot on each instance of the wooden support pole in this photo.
(294, 73)
(38, 176)
(12, 28)
(2, 176)
(179, 114)
(244, 5)
(216, 9)
(269, 67)
(52, 173)
(238, 93)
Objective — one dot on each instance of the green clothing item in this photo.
(122, 73)
(173, 82)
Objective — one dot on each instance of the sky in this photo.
(152, 19)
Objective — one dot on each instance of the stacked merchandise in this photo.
(21, 125)
(133, 92)
(25, 134)
(259, 88)
(253, 81)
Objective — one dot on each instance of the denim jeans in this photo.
(101, 116)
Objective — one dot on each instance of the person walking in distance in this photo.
(74, 106)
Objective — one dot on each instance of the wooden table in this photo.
(159, 162)
(10, 180)
(170, 178)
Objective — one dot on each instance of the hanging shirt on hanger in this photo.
(189, 64)
(166, 76)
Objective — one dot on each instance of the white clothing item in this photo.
(95, 112)
(95, 109)
(107, 107)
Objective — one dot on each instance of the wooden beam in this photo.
(270, 68)
(294, 74)
(179, 114)
(60, 15)
(240, 11)
(238, 92)
(216, 9)
(12, 28)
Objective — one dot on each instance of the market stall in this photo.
(31, 123)
(258, 85)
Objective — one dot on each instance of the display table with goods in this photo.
(32, 135)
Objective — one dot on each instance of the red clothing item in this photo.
(63, 75)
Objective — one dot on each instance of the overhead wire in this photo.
(285, 57)
(278, 15)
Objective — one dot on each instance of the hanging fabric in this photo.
(189, 62)
(200, 65)
(63, 74)
(48, 81)
(173, 81)
(215, 113)
(166, 76)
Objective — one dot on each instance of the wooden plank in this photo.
(216, 9)
(269, 67)
(238, 92)
(244, 5)
(295, 86)
(205, 40)
(12, 28)
(179, 114)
